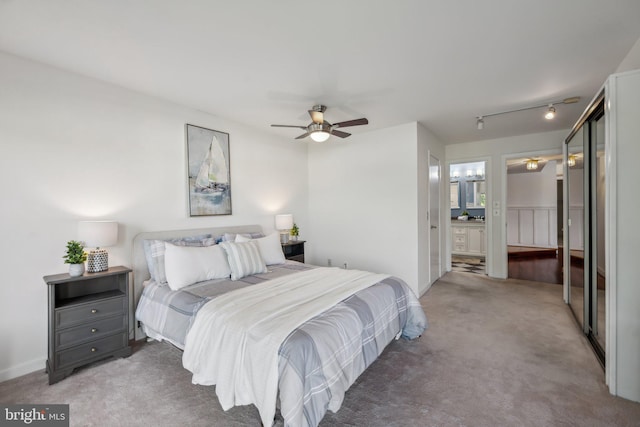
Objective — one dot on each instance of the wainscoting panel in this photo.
(532, 226)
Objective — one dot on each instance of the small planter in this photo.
(76, 270)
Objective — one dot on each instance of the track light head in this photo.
(480, 123)
(551, 112)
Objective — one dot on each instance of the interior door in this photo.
(434, 218)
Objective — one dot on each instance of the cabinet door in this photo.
(475, 240)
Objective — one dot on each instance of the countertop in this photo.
(468, 222)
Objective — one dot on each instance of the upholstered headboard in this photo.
(140, 270)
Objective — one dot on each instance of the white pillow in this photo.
(186, 265)
(244, 259)
(270, 248)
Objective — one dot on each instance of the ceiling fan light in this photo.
(532, 164)
(551, 112)
(320, 135)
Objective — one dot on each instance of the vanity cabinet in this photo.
(468, 238)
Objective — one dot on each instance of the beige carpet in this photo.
(498, 353)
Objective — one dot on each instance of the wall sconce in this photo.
(571, 161)
(532, 164)
(284, 223)
(98, 234)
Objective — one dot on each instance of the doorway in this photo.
(532, 205)
(468, 195)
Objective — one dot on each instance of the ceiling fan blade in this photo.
(340, 134)
(356, 122)
(288, 126)
(304, 135)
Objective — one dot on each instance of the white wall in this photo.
(364, 204)
(496, 150)
(632, 60)
(75, 148)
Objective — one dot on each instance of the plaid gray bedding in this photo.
(319, 360)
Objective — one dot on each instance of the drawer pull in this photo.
(94, 330)
(94, 311)
(93, 349)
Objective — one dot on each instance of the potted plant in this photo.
(295, 231)
(464, 216)
(75, 257)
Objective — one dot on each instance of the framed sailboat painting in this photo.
(209, 173)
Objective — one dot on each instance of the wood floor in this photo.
(540, 265)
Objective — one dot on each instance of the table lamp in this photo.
(284, 223)
(97, 235)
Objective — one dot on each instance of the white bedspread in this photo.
(235, 338)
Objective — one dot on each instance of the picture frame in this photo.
(208, 171)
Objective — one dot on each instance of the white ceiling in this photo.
(441, 63)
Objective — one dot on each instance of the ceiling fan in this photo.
(319, 129)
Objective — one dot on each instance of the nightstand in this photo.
(294, 250)
(88, 319)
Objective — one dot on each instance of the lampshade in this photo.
(96, 234)
(320, 136)
(284, 222)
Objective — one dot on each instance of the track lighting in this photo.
(532, 164)
(550, 113)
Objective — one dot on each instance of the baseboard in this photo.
(22, 369)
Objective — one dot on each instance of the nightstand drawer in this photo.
(92, 350)
(72, 336)
(90, 311)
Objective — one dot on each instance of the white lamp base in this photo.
(284, 238)
(97, 260)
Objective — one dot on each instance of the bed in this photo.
(281, 333)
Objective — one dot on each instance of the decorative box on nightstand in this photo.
(88, 319)
(294, 250)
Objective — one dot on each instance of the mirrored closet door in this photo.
(585, 236)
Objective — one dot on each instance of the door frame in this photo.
(488, 221)
(504, 253)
